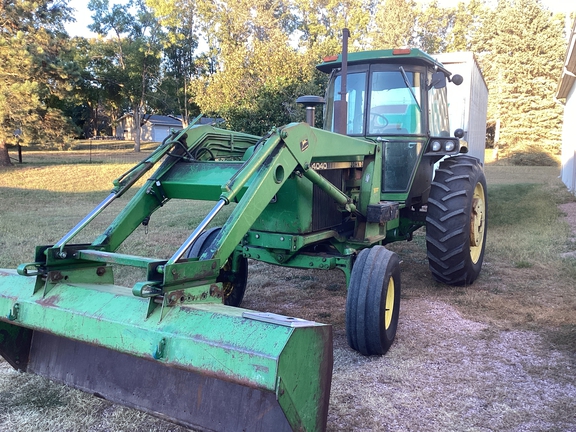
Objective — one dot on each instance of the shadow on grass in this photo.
(562, 338)
(526, 157)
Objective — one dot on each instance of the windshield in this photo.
(395, 106)
(390, 104)
(356, 98)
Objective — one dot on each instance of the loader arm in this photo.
(153, 195)
(71, 318)
(171, 336)
(288, 152)
(284, 153)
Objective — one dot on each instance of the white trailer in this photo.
(468, 102)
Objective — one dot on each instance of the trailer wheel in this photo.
(233, 282)
(456, 221)
(373, 302)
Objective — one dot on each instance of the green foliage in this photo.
(97, 100)
(321, 22)
(393, 25)
(257, 58)
(34, 75)
(468, 20)
(256, 65)
(134, 53)
(432, 28)
(521, 50)
(532, 155)
(273, 105)
(180, 63)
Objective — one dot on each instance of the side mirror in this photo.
(457, 79)
(438, 80)
(459, 133)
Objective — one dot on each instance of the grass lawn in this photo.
(499, 355)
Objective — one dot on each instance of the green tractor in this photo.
(177, 344)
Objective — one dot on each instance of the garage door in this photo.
(161, 132)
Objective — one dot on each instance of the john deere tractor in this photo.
(177, 344)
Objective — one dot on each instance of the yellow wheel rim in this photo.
(477, 222)
(389, 303)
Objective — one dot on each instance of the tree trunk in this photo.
(185, 114)
(114, 122)
(4, 156)
(137, 129)
(91, 130)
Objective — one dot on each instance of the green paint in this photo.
(381, 56)
(210, 338)
(175, 315)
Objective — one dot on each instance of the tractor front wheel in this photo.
(373, 302)
(233, 278)
(456, 221)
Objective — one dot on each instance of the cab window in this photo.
(356, 98)
(395, 103)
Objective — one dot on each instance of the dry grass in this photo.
(84, 152)
(526, 155)
(499, 355)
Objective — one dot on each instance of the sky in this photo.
(82, 14)
(83, 18)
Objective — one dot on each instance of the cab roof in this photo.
(388, 56)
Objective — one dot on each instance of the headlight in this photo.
(449, 146)
(436, 146)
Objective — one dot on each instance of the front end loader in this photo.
(176, 344)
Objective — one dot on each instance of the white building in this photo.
(567, 90)
(155, 127)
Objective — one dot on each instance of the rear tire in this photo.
(233, 282)
(456, 221)
(373, 302)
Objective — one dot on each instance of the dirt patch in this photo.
(449, 373)
(444, 372)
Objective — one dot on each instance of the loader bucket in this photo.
(204, 365)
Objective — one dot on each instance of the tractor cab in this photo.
(397, 97)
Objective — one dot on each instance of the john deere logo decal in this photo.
(303, 145)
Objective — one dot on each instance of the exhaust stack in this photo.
(341, 106)
(310, 102)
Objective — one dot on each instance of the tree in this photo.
(433, 27)
(97, 98)
(521, 49)
(320, 23)
(256, 62)
(135, 61)
(180, 65)
(393, 24)
(34, 76)
(468, 19)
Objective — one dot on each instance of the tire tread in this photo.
(448, 220)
